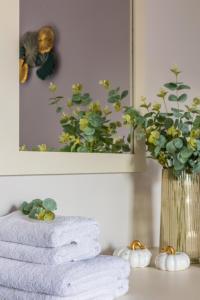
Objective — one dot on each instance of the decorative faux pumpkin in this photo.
(170, 260)
(136, 254)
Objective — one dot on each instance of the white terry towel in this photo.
(84, 249)
(19, 228)
(69, 279)
(109, 292)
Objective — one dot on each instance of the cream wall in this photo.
(127, 206)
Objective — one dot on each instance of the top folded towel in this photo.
(18, 228)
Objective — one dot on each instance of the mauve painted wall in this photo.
(92, 44)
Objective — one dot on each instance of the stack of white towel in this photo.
(57, 260)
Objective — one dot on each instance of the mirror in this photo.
(76, 75)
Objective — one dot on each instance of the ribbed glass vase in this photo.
(180, 213)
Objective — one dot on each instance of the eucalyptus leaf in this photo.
(173, 98)
(49, 204)
(182, 98)
(183, 87)
(124, 94)
(89, 131)
(171, 86)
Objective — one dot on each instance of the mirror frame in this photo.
(15, 162)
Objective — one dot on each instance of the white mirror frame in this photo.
(14, 162)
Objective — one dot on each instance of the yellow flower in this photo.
(156, 106)
(64, 138)
(144, 103)
(162, 93)
(64, 118)
(172, 131)
(42, 147)
(106, 110)
(95, 107)
(162, 159)
(52, 87)
(105, 83)
(117, 106)
(77, 88)
(154, 136)
(175, 69)
(83, 123)
(143, 100)
(69, 103)
(127, 118)
(77, 141)
(192, 142)
(196, 101)
(23, 148)
(195, 133)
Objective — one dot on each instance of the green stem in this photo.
(165, 105)
(177, 92)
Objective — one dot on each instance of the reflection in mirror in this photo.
(75, 75)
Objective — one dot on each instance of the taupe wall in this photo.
(92, 44)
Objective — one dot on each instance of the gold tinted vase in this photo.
(180, 213)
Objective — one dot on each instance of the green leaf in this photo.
(184, 128)
(89, 131)
(95, 120)
(187, 115)
(35, 212)
(178, 113)
(196, 168)
(124, 94)
(170, 147)
(171, 86)
(178, 166)
(168, 123)
(183, 87)
(172, 98)
(198, 146)
(161, 141)
(36, 202)
(86, 99)
(113, 96)
(59, 109)
(186, 153)
(157, 150)
(182, 98)
(83, 149)
(196, 124)
(49, 204)
(76, 98)
(178, 143)
(25, 207)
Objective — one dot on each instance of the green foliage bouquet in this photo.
(172, 134)
(87, 126)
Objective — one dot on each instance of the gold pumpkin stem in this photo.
(169, 250)
(136, 245)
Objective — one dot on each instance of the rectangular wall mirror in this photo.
(89, 43)
(80, 64)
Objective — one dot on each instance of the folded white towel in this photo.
(69, 279)
(85, 249)
(105, 293)
(19, 228)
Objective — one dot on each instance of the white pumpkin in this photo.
(170, 260)
(136, 254)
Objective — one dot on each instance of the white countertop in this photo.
(152, 284)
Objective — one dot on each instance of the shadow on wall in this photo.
(147, 195)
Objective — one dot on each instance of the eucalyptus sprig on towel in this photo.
(40, 209)
(172, 134)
